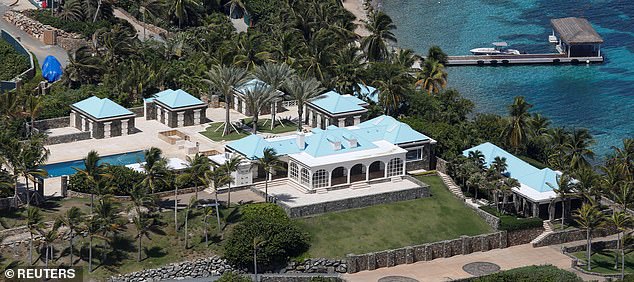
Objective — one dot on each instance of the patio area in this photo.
(291, 196)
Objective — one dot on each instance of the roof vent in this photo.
(352, 142)
(336, 144)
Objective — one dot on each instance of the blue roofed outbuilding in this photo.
(102, 117)
(175, 108)
(332, 108)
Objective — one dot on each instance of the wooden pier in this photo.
(521, 59)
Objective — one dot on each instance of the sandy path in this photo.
(356, 8)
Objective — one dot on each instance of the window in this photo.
(294, 171)
(414, 154)
(320, 179)
(305, 180)
(395, 167)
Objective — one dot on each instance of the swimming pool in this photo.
(66, 168)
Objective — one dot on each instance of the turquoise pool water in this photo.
(598, 97)
(67, 168)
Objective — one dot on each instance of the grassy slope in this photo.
(388, 226)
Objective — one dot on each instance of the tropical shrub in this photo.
(122, 179)
(230, 276)
(544, 273)
(278, 238)
(13, 63)
(510, 222)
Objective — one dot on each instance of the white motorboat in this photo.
(499, 48)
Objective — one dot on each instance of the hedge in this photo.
(13, 63)
(511, 222)
(544, 273)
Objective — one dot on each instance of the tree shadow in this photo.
(154, 252)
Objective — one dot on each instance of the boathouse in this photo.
(576, 37)
(175, 108)
(103, 118)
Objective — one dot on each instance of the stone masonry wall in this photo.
(426, 252)
(52, 123)
(213, 266)
(67, 138)
(559, 237)
(68, 41)
(490, 219)
(520, 237)
(351, 203)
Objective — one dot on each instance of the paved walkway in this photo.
(142, 35)
(39, 49)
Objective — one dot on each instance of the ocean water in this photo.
(599, 97)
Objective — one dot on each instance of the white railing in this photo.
(290, 103)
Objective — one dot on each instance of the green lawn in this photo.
(214, 135)
(439, 217)
(264, 125)
(603, 262)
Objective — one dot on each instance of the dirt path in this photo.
(143, 36)
(357, 9)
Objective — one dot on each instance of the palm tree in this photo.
(589, 218)
(215, 179)
(72, 11)
(183, 10)
(32, 155)
(433, 77)
(155, 168)
(624, 158)
(477, 181)
(193, 202)
(565, 188)
(107, 212)
(144, 223)
(33, 107)
(269, 162)
(208, 212)
(258, 242)
(93, 228)
(150, 8)
(229, 167)
(587, 184)
(83, 67)
(225, 80)
(72, 220)
(196, 169)
(622, 221)
(275, 75)
(435, 53)
(499, 165)
(392, 91)
(93, 171)
(506, 185)
(477, 158)
(375, 45)
(578, 150)
(33, 224)
(516, 129)
(256, 98)
(303, 90)
(49, 237)
(406, 58)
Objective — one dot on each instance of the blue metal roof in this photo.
(101, 108)
(320, 142)
(176, 99)
(389, 129)
(335, 103)
(517, 168)
(368, 91)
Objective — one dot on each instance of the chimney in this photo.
(301, 140)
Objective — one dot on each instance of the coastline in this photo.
(356, 7)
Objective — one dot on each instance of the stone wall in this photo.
(67, 138)
(150, 27)
(199, 268)
(6, 203)
(441, 165)
(520, 237)
(68, 41)
(163, 194)
(426, 252)
(490, 219)
(317, 265)
(559, 237)
(297, 278)
(359, 202)
(52, 123)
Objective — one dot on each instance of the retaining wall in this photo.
(28, 74)
(358, 202)
(162, 194)
(559, 237)
(426, 252)
(67, 138)
(51, 123)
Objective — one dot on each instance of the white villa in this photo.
(335, 157)
(534, 195)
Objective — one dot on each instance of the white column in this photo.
(181, 119)
(72, 118)
(244, 108)
(107, 129)
(124, 127)
(310, 118)
(318, 120)
(85, 123)
(159, 113)
(342, 122)
(327, 122)
(197, 116)
(235, 103)
(90, 127)
(404, 165)
(357, 120)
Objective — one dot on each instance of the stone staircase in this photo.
(547, 231)
(359, 185)
(451, 185)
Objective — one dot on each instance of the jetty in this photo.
(576, 42)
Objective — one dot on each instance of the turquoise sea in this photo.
(598, 97)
